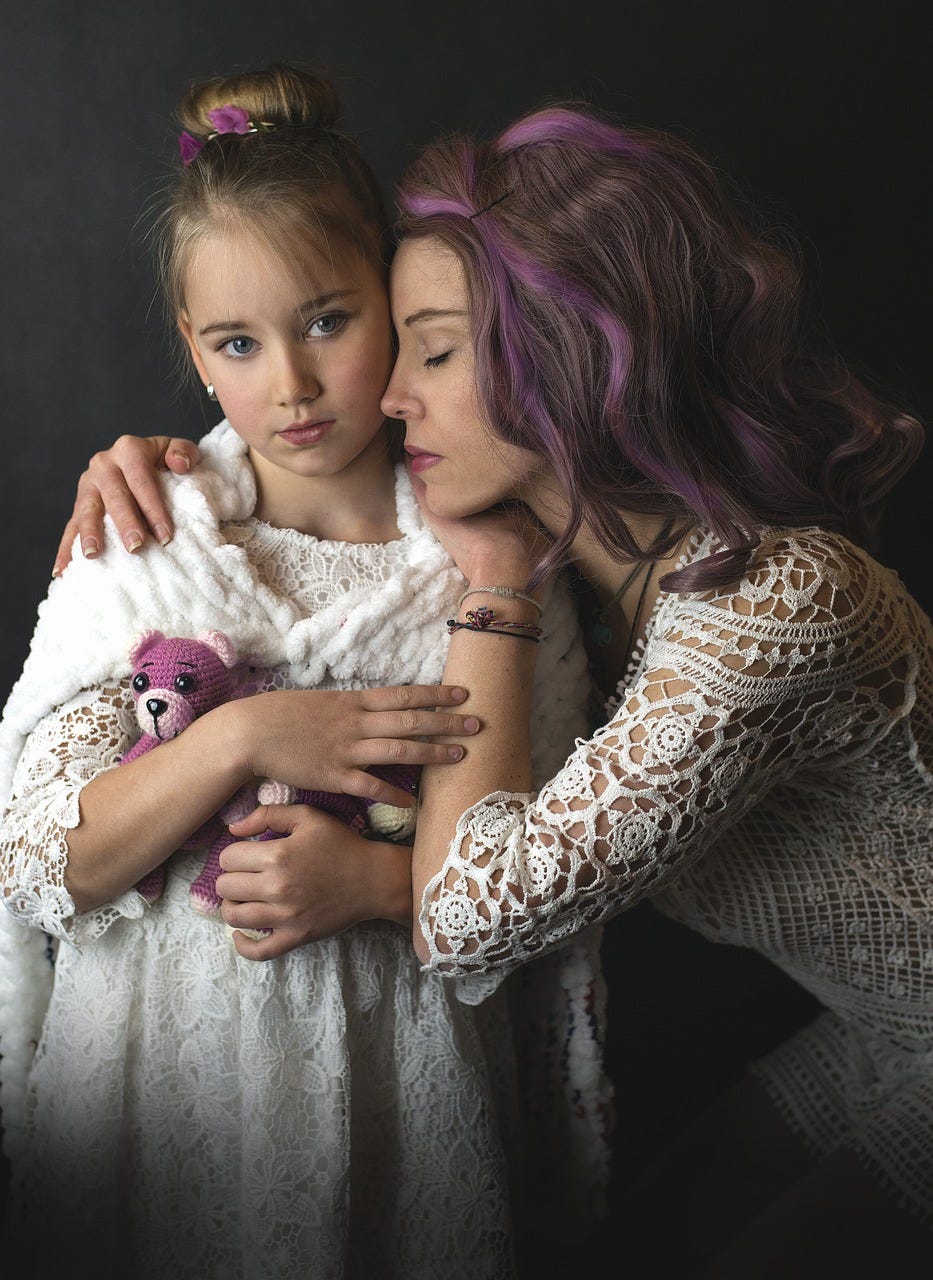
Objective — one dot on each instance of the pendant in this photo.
(602, 632)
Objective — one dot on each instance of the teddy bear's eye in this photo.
(185, 683)
(141, 682)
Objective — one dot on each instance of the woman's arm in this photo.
(123, 481)
(738, 695)
(490, 549)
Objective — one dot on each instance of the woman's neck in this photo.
(355, 505)
(616, 599)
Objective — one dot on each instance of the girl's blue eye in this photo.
(239, 346)
(433, 361)
(324, 326)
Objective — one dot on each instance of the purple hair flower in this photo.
(189, 147)
(230, 119)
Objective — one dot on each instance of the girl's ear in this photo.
(187, 332)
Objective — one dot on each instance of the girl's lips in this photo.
(420, 459)
(309, 433)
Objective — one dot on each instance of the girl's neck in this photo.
(355, 505)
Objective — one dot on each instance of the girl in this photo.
(586, 324)
(186, 1111)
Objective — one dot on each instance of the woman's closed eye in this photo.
(433, 361)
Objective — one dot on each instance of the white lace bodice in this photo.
(236, 1079)
(764, 776)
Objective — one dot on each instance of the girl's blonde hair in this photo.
(295, 181)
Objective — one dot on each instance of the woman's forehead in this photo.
(426, 276)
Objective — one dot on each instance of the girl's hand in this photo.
(318, 880)
(324, 740)
(123, 481)
(501, 545)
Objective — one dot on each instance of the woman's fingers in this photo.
(63, 554)
(123, 482)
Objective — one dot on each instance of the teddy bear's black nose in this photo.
(155, 707)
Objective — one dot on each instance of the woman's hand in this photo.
(324, 740)
(317, 880)
(501, 546)
(123, 481)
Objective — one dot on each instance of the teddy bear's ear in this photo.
(144, 643)
(221, 644)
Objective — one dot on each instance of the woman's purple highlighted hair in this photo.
(631, 329)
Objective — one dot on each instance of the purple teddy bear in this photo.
(176, 679)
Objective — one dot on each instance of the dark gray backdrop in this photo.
(819, 109)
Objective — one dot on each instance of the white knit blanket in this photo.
(199, 581)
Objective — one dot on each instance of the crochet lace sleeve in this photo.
(66, 750)
(735, 694)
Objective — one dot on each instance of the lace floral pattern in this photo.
(764, 776)
(67, 749)
(329, 1113)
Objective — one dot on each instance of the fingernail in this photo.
(471, 724)
(458, 694)
(455, 753)
(183, 459)
(162, 534)
(56, 571)
(89, 548)
(133, 540)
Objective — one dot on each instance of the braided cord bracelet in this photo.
(504, 593)
(484, 621)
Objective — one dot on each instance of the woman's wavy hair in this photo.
(635, 332)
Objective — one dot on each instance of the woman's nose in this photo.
(394, 402)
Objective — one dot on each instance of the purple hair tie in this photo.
(227, 119)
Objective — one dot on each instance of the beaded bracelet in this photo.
(504, 593)
(484, 620)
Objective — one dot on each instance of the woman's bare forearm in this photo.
(497, 672)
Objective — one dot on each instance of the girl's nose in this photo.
(297, 380)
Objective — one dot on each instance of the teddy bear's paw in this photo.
(256, 935)
(275, 793)
(151, 887)
(204, 900)
(392, 822)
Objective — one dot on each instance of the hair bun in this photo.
(279, 95)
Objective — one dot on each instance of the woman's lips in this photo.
(307, 433)
(421, 460)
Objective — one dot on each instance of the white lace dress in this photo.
(335, 1112)
(765, 777)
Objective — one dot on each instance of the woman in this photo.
(585, 324)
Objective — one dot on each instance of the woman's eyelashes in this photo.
(433, 361)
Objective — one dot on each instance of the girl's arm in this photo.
(318, 880)
(123, 481)
(112, 826)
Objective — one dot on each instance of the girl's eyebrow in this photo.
(429, 313)
(305, 308)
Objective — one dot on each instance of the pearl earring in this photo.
(211, 393)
